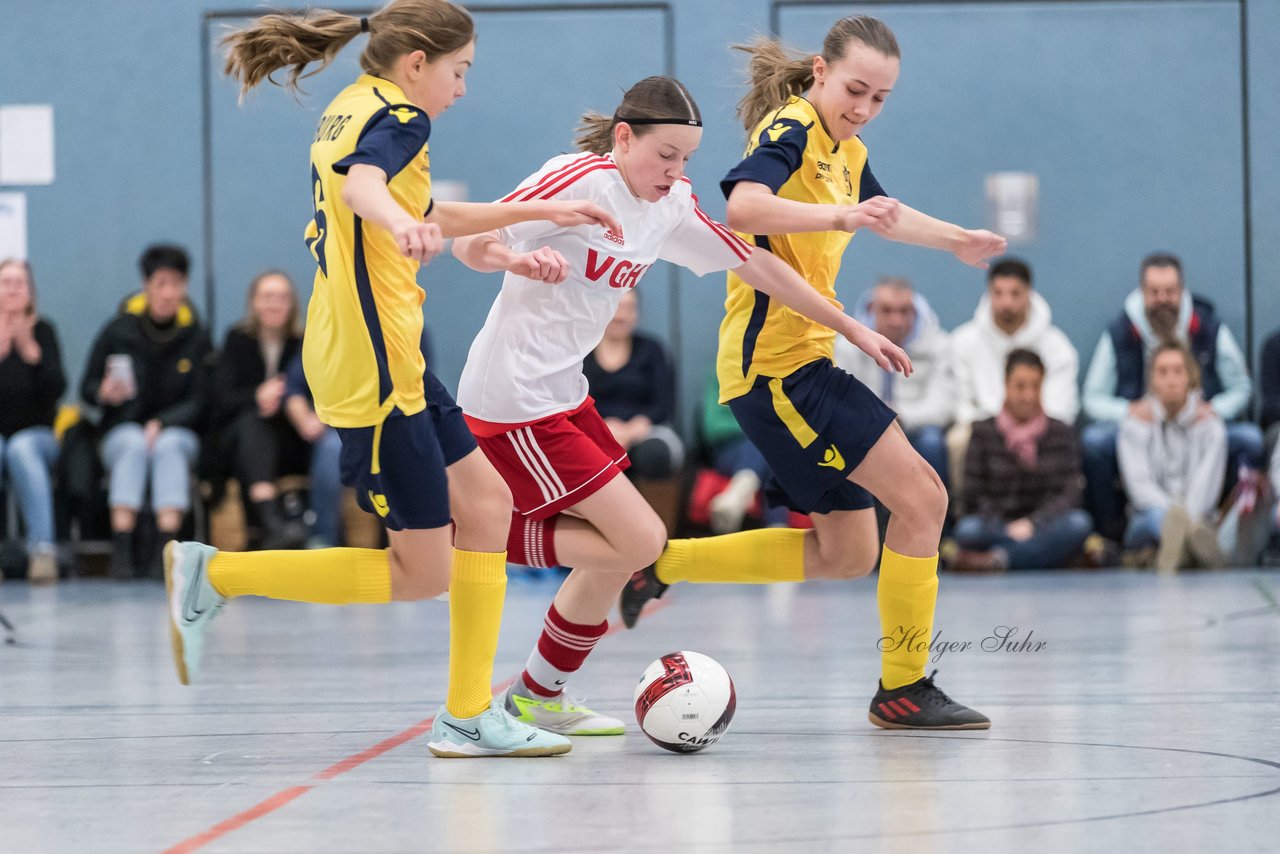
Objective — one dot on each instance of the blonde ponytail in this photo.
(293, 41)
(287, 41)
(776, 74)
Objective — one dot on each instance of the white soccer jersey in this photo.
(526, 363)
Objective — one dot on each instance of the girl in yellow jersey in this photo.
(405, 446)
(802, 190)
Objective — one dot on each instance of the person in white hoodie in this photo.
(925, 403)
(1011, 315)
(1172, 465)
(1160, 309)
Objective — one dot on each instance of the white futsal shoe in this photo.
(193, 603)
(560, 714)
(493, 732)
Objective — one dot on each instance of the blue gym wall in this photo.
(1130, 112)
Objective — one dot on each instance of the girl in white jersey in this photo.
(523, 391)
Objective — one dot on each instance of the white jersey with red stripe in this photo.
(526, 363)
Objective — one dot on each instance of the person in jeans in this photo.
(1022, 485)
(1011, 315)
(325, 491)
(252, 430)
(1173, 464)
(1160, 309)
(31, 381)
(148, 374)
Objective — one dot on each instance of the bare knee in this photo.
(847, 560)
(483, 513)
(412, 581)
(650, 540)
(421, 564)
(923, 499)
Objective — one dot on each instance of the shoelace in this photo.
(570, 703)
(931, 694)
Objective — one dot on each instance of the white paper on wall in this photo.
(1013, 205)
(26, 144)
(13, 225)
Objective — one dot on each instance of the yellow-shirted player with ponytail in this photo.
(801, 191)
(405, 446)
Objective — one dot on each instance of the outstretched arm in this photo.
(486, 253)
(753, 208)
(972, 246)
(768, 274)
(366, 193)
(458, 219)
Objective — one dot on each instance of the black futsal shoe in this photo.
(643, 586)
(922, 705)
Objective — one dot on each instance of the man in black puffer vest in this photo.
(1161, 309)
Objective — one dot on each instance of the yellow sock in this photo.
(907, 592)
(476, 591)
(324, 576)
(749, 557)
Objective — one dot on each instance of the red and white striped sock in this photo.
(561, 650)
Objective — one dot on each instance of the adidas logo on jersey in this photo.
(614, 236)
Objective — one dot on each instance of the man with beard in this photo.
(1011, 315)
(1161, 310)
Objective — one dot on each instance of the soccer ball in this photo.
(685, 701)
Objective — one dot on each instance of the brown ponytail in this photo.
(777, 73)
(651, 98)
(294, 41)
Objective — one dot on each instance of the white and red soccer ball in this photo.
(685, 701)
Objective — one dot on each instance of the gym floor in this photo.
(1129, 711)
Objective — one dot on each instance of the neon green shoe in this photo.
(563, 714)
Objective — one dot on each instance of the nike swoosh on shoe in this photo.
(473, 734)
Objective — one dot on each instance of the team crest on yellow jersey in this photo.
(404, 114)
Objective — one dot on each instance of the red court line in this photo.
(292, 793)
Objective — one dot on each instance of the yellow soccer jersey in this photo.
(791, 153)
(362, 352)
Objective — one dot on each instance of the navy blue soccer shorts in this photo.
(397, 468)
(813, 428)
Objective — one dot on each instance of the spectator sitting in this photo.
(250, 429)
(1022, 482)
(1173, 452)
(736, 458)
(1275, 493)
(633, 385)
(1010, 316)
(31, 381)
(925, 404)
(1269, 381)
(1160, 310)
(326, 449)
(148, 373)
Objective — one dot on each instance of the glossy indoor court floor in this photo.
(1147, 721)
